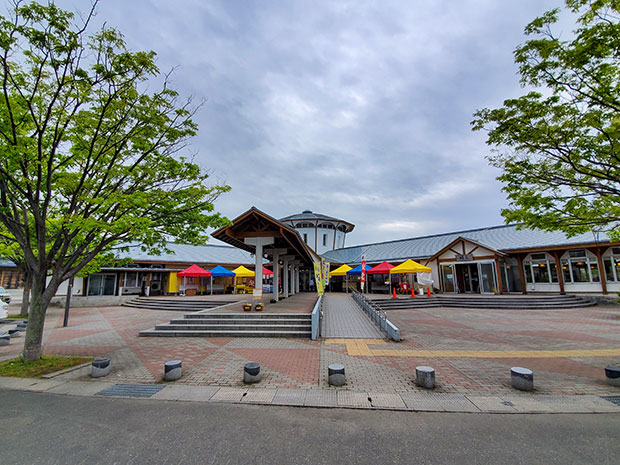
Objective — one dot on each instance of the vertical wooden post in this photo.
(601, 270)
(522, 274)
(560, 270)
(499, 275)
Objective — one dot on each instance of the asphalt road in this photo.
(38, 428)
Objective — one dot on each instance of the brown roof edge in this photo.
(461, 238)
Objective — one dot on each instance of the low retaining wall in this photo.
(79, 301)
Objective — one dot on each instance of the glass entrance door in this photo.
(488, 279)
(447, 275)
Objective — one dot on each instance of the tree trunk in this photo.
(41, 298)
(26, 295)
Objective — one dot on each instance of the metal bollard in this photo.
(14, 332)
(100, 367)
(522, 378)
(251, 373)
(172, 370)
(425, 377)
(335, 374)
(612, 374)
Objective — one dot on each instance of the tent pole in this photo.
(211, 284)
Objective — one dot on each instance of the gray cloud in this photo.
(355, 109)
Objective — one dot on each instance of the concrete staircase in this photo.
(236, 325)
(181, 305)
(491, 302)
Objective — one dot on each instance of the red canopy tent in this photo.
(381, 268)
(195, 271)
(267, 272)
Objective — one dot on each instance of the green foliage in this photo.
(92, 156)
(559, 147)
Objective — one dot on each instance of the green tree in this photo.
(559, 145)
(90, 153)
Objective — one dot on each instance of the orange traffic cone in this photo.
(412, 293)
(428, 291)
(394, 294)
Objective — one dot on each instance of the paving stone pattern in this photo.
(343, 318)
(465, 346)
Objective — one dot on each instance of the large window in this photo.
(579, 266)
(611, 263)
(540, 268)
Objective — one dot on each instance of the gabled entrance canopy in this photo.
(264, 236)
(257, 224)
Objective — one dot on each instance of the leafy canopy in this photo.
(559, 145)
(91, 156)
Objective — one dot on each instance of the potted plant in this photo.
(247, 307)
(259, 307)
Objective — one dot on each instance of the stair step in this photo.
(176, 327)
(249, 333)
(232, 321)
(251, 315)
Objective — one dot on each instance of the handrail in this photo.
(316, 317)
(377, 315)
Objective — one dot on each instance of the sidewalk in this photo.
(406, 401)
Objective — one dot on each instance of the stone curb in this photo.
(323, 398)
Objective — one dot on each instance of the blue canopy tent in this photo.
(219, 270)
(357, 270)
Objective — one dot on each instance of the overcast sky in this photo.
(354, 109)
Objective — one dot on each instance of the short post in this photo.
(425, 377)
(522, 378)
(100, 367)
(612, 374)
(172, 370)
(251, 373)
(335, 374)
(14, 332)
(4, 339)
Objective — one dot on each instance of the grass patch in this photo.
(37, 368)
(18, 317)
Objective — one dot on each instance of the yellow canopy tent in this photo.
(340, 271)
(410, 267)
(242, 272)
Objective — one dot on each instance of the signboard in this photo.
(318, 279)
(363, 276)
(325, 274)
(257, 293)
(464, 257)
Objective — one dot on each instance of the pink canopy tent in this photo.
(195, 271)
(267, 272)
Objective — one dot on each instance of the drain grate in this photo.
(612, 399)
(130, 390)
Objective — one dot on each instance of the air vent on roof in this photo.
(307, 211)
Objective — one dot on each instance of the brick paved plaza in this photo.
(472, 350)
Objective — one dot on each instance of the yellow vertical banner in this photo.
(318, 278)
